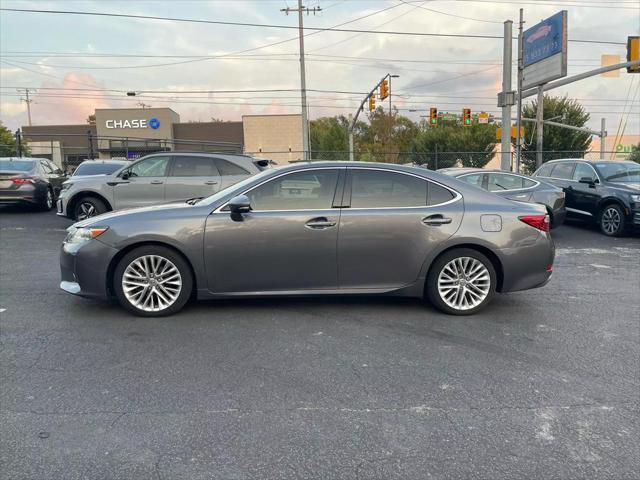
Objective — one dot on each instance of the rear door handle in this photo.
(436, 220)
(157, 182)
(210, 182)
(319, 223)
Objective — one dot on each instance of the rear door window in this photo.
(545, 170)
(193, 166)
(563, 171)
(380, 189)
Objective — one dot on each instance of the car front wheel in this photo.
(461, 282)
(612, 220)
(153, 281)
(88, 207)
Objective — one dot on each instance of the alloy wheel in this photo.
(86, 210)
(464, 283)
(611, 220)
(49, 200)
(151, 283)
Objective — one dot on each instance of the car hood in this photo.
(635, 186)
(105, 217)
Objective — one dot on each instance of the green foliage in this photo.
(556, 140)
(634, 156)
(329, 138)
(8, 145)
(387, 138)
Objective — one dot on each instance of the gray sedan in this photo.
(516, 187)
(315, 228)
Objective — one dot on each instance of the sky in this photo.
(74, 64)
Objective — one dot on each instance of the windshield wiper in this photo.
(194, 200)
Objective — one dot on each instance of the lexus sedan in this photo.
(313, 229)
(30, 182)
(516, 187)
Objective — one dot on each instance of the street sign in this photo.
(545, 51)
(483, 117)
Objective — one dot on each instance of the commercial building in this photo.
(133, 132)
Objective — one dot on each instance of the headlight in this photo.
(66, 186)
(635, 198)
(84, 234)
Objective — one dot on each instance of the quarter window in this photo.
(499, 182)
(583, 170)
(193, 166)
(563, 171)
(229, 168)
(151, 167)
(311, 190)
(375, 189)
(438, 194)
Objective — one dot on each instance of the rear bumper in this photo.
(84, 268)
(25, 195)
(526, 267)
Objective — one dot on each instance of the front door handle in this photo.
(436, 220)
(210, 182)
(157, 182)
(319, 223)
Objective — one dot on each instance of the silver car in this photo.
(155, 179)
(316, 228)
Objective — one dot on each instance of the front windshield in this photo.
(222, 193)
(619, 171)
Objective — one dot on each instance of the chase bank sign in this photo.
(153, 123)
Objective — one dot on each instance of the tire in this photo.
(87, 207)
(444, 294)
(176, 287)
(46, 203)
(611, 220)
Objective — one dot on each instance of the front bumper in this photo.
(84, 268)
(61, 205)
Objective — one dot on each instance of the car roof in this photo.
(104, 161)
(600, 160)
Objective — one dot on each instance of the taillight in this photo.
(22, 180)
(541, 222)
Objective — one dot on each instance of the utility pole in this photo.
(603, 135)
(28, 101)
(539, 126)
(506, 98)
(303, 82)
(520, 71)
(19, 142)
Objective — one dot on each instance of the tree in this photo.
(329, 138)
(8, 144)
(455, 145)
(634, 156)
(556, 141)
(91, 119)
(387, 137)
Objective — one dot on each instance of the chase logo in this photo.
(154, 123)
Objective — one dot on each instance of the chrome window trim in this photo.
(537, 183)
(457, 195)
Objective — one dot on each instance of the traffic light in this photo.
(466, 117)
(633, 53)
(384, 89)
(372, 102)
(433, 116)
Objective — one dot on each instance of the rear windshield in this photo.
(16, 165)
(96, 169)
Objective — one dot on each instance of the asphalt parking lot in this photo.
(542, 384)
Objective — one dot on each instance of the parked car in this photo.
(515, 187)
(30, 181)
(316, 228)
(155, 179)
(98, 167)
(607, 192)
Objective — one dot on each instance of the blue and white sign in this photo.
(154, 123)
(545, 50)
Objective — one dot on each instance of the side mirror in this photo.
(240, 204)
(124, 175)
(588, 181)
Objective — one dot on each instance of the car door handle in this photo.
(436, 220)
(157, 182)
(210, 182)
(319, 223)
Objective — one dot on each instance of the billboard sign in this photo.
(545, 51)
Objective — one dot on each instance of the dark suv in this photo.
(607, 192)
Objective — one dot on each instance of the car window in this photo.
(563, 171)
(16, 165)
(438, 194)
(151, 167)
(583, 170)
(473, 179)
(545, 170)
(527, 183)
(229, 168)
(500, 182)
(46, 167)
(192, 166)
(374, 189)
(311, 190)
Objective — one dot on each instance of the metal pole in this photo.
(28, 105)
(603, 136)
(350, 129)
(19, 142)
(303, 84)
(505, 144)
(519, 113)
(539, 126)
(436, 160)
(389, 75)
(90, 139)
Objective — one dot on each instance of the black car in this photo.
(607, 192)
(30, 181)
(515, 187)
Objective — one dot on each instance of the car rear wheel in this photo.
(612, 220)
(88, 207)
(46, 203)
(461, 282)
(153, 281)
